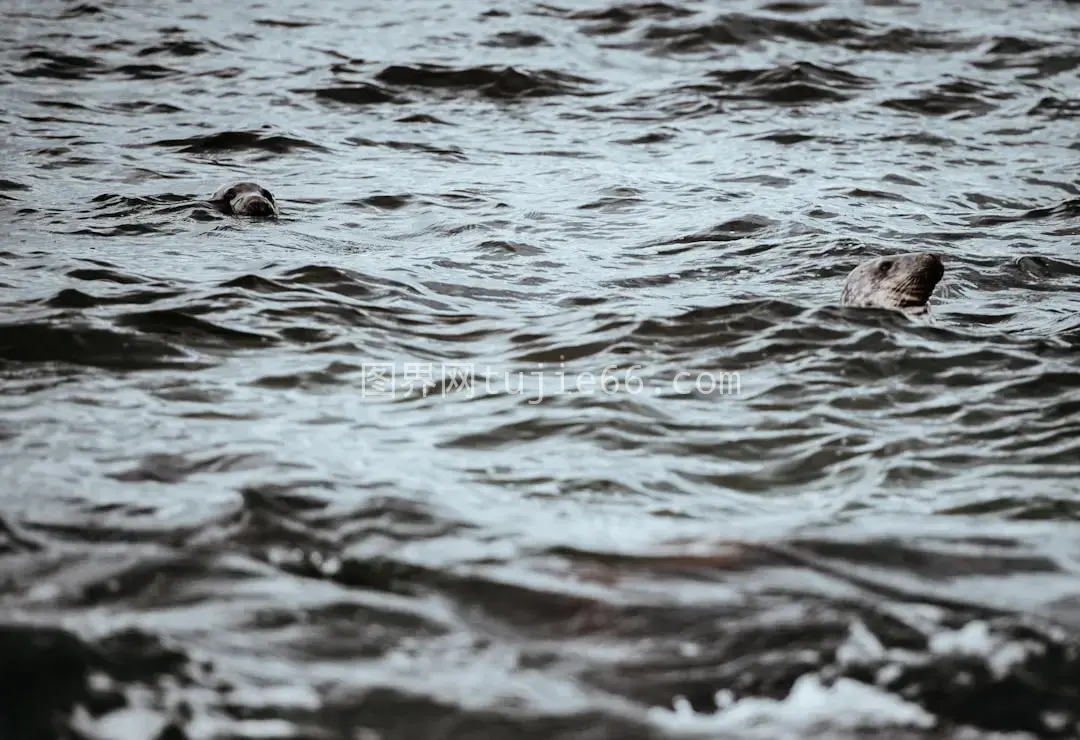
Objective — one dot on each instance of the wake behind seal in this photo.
(246, 199)
(902, 282)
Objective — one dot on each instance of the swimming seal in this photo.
(246, 199)
(901, 282)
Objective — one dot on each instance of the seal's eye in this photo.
(267, 194)
(229, 195)
(885, 266)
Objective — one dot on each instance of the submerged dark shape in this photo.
(246, 199)
(901, 282)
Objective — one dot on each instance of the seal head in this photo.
(246, 199)
(901, 282)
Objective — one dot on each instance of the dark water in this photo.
(534, 416)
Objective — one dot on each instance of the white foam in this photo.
(808, 709)
(974, 639)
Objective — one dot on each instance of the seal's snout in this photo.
(246, 199)
(250, 204)
(934, 267)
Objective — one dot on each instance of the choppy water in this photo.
(534, 415)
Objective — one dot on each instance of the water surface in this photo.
(535, 414)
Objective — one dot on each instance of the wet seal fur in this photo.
(246, 199)
(901, 282)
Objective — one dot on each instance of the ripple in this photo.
(93, 347)
(490, 82)
(353, 94)
(237, 141)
